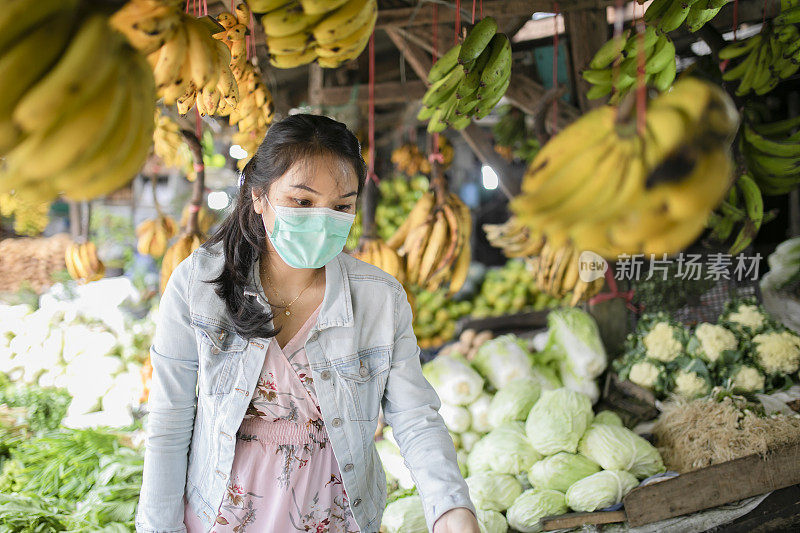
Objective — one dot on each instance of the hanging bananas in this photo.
(772, 154)
(168, 143)
(513, 238)
(153, 235)
(82, 262)
(605, 188)
(434, 242)
(411, 161)
(660, 64)
(468, 80)
(743, 207)
(375, 251)
(205, 219)
(668, 15)
(183, 248)
(77, 107)
(556, 270)
(30, 216)
(328, 32)
(255, 110)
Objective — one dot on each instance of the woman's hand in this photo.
(458, 520)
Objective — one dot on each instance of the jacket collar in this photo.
(337, 306)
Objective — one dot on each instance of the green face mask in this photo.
(309, 237)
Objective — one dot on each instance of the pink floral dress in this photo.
(284, 476)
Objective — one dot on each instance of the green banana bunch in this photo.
(744, 207)
(765, 58)
(468, 80)
(622, 53)
(668, 15)
(510, 130)
(772, 154)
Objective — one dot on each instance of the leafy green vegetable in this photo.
(404, 515)
(557, 421)
(600, 490)
(514, 401)
(533, 504)
(495, 492)
(45, 406)
(508, 449)
(618, 448)
(607, 417)
(503, 359)
(491, 521)
(561, 470)
(574, 333)
(479, 413)
(454, 380)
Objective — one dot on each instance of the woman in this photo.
(272, 356)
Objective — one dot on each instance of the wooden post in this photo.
(198, 187)
(315, 79)
(587, 30)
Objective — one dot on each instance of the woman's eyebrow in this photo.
(305, 188)
(351, 193)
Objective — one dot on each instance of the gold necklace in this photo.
(287, 312)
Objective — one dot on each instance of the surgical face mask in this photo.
(309, 237)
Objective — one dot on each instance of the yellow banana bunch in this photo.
(77, 106)
(188, 65)
(330, 32)
(514, 238)
(409, 160)
(82, 262)
(375, 251)
(153, 235)
(255, 110)
(30, 216)
(205, 219)
(557, 274)
(435, 242)
(168, 143)
(183, 248)
(601, 186)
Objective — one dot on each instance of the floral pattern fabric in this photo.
(284, 476)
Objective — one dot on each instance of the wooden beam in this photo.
(393, 92)
(499, 9)
(587, 31)
(420, 63)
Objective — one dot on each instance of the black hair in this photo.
(242, 233)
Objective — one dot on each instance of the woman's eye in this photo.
(345, 207)
(302, 202)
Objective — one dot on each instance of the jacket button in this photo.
(221, 336)
(326, 374)
(313, 336)
(215, 350)
(356, 502)
(223, 475)
(336, 422)
(363, 372)
(348, 467)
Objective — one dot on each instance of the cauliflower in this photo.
(662, 342)
(747, 316)
(777, 352)
(712, 340)
(690, 384)
(645, 374)
(747, 379)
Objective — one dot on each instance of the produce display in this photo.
(75, 91)
(468, 80)
(154, 235)
(772, 153)
(409, 160)
(205, 219)
(32, 261)
(746, 351)
(510, 289)
(743, 208)
(669, 15)
(615, 65)
(168, 143)
(375, 251)
(255, 109)
(435, 316)
(614, 192)
(177, 252)
(766, 58)
(434, 241)
(82, 262)
(330, 33)
(784, 266)
(511, 136)
(30, 215)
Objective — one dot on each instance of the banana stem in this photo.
(198, 187)
(87, 217)
(368, 204)
(154, 182)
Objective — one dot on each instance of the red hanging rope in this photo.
(473, 11)
(481, 8)
(371, 165)
(735, 17)
(434, 150)
(614, 292)
(458, 20)
(555, 63)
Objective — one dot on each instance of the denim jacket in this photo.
(363, 355)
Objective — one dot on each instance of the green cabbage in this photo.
(393, 463)
(491, 521)
(455, 417)
(514, 401)
(608, 417)
(468, 440)
(574, 332)
(509, 448)
(502, 360)
(561, 470)
(453, 379)
(533, 504)
(495, 492)
(600, 490)
(404, 516)
(479, 412)
(618, 448)
(557, 421)
(480, 458)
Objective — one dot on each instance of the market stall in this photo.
(592, 205)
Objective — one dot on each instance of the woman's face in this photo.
(318, 181)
